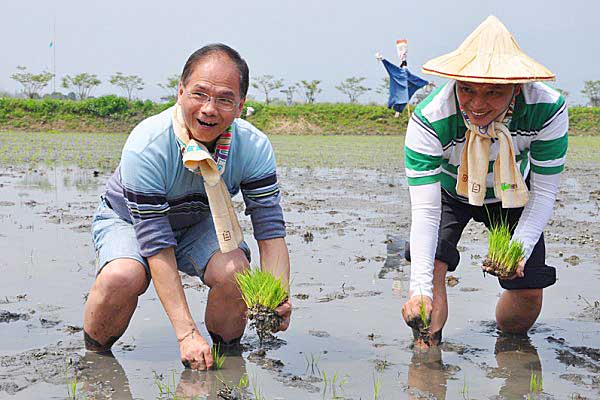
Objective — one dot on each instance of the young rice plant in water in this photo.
(218, 357)
(423, 315)
(503, 254)
(262, 293)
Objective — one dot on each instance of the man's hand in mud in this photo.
(411, 309)
(519, 273)
(285, 312)
(195, 352)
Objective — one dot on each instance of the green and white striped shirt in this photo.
(434, 142)
(436, 136)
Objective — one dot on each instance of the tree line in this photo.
(81, 86)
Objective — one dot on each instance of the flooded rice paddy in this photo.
(347, 208)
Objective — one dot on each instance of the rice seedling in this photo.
(218, 357)
(376, 387)
(465, 390)
(312, 363)
(423, 314)
(262, 293)
(535, 384)
(244, 381)
(71, 383)
(325, 383)
(166, 390)
(337, 385)
(71, 386)
(256, 391)
(504, 254)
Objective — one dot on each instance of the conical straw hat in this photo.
(489, 55)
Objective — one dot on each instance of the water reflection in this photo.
(208, 384)
(428, 374)
(102, 376)
(517, 361)
(59, 178)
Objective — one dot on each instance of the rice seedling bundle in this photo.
(262, 293)
(503, 254)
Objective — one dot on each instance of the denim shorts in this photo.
(115, 238)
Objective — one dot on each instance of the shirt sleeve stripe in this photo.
(544, 150)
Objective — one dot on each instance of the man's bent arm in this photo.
(275, 258)
(163, 268)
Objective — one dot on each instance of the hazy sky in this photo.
(328, 40)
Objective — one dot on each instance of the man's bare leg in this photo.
(111, 302)
(517, 310)
(225, 310)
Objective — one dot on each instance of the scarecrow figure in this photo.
(403, 84)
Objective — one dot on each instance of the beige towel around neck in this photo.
(509, 186)
(198, 159)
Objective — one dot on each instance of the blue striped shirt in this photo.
(154, 191)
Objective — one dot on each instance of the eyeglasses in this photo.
(222, 103)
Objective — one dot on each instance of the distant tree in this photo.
(57, 96)
(32, 83)
(423, 92)
(353, 88)
(563, 93)
(128, 83)
(171, 86)
(82, 83)
(289, 94)
(591, 89)
(266, 84)
(311, 89)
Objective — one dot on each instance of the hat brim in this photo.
(487, 79)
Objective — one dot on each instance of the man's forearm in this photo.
(275, 258)
(425, 221)
(163, 267)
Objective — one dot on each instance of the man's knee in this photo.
(125, 277)
(518, 310)
(222, 268)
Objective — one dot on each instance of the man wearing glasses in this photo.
(157, 215)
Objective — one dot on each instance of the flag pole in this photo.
(54, 57)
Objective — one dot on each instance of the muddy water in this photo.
(346, 340)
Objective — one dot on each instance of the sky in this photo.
(328, 40)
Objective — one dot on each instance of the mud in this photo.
(264, 320)
(348, 283)
(493, 268)
(7, 316)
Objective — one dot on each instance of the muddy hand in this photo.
(195, 352)
(520, 272)
(285, 312)
(411, 311)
